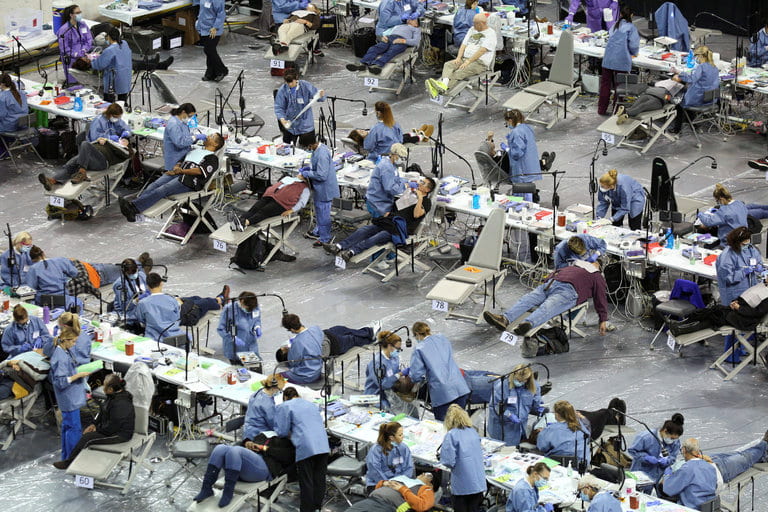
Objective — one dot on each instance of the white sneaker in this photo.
(376, 327)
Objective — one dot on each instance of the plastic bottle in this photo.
(569, 470)
(670, 239)
(46, 315)
(690, 62)
(475, 201)
(78, 103)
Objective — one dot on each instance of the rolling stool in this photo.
(349, 468)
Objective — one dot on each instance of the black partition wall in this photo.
(746, 13)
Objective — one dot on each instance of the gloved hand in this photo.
(200, 136)
(145, 294)
(405, 371)
(238, 342)
(26, 347)
(650, 459)
(664, 461)
(759, 268)
(413, 184)
(414, 16)
(38, 343)
(125, 134)
(404, 17)
(512, 417)
(504, 146)
(303, 4)
(549, 507)
(305, 169)
(593, 257)
(257, 331)
(114, 138)
(748, 271)
(540, 410)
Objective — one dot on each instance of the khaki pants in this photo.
(287, 32)
(453, 74)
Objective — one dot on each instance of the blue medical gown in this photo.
(69, 395)
(695, 482)
(380, 139)
(322, 175)
(730, 266)
(515, 400)
(23, 338)
(462, 22)
(290, 101)
(116, 62)
(524, 166)
(246, 324)
(758, 50)
(11, 110)
(212, 14)
(627, 198)
(390, 12)
(604, 502)
(704, 77)
(103, 127)
(49, 277)
(432, 359)
(557, 439)
(20, 270)
(177, 142)
(160, 314)
(647, 444)
(301, 421)
(383, 186)
(564, 256)
(307, 345)
(260, 415)
(524, 498)
(132, 289)
(282, 9)
(726, 218)
(381, 466)
(463, 454)
(389, 368)
(623, 43)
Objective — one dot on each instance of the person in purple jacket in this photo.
(596, 19)
(75, 39)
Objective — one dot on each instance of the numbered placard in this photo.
(86, 482)
(220, 245)
(670, 341)
(439, 99)
(341, 263)
(56, 201)
(140, 218)
(440, 305)
(370, 81)
(509, 338)
(277, 64)
(608, 138)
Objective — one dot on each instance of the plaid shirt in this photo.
(81, 283)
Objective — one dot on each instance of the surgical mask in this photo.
(78, 18)
(113, 119)
(133, 276)
(242, 307)
(604, 190)
(26, 248)
(540, 483)
(667, 440)
(517, 383)
(583, 496)
(192, 121)
(395, 444)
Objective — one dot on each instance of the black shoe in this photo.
(311, 235)
(61, 464)
(376, 70)
(355, 67)
(127, 209)
(331, 249)
(498, 321)
(346, 255)
(206, 78)
(760, 164)
(276, 49)
(317, 244)
(220, 77)
(165, 64)
(318, 53)
(199, 43)
(281, 256)
(523, 328)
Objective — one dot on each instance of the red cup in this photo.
(561, 220)
(231, 379)
(634, 502)
(7, 304)
(129, 348)
(550, 29)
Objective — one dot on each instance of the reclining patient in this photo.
(653, 98)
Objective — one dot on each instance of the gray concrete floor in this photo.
(655, 384)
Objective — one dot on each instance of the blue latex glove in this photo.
(145, 294)
(664, 461)
(748, 271)
(504, 146)
(257, 331)
(305, 169)
(593, 257)
(549, 507)
(414, 16)
(512, 417)
(404, 17)
(200, 136)
(26, 347)
(759, 268)
(540, 410)
(650, 459)
(114, 138)
(125, 134)
(304, 4)
(413, 184)
(405, 372)
(38, 343)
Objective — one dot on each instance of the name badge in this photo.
(300, 101)
(255, 313)
(26, 268)
(390, 372)
(36, 334)
(752, 262)
(397, 461)
(512, 400)
(207, 5)
(84, 30)
(406, 7)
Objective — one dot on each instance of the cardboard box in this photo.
(183, 20)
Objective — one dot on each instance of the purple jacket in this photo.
(587, 284)
(594, 9)
(75, 41)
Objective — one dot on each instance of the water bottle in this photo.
(475, 201)
(46, 315)
(691, 62)
(670, 239)
(78, 103)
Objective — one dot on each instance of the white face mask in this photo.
(604, 190)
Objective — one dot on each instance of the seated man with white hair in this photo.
(695, 482)
(476, 55)
(591, 491)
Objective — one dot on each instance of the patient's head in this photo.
(214, 142)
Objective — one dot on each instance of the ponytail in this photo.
(114, 34)
(674, 425)
(566, 411)
(70, 321)
(625, 14)
(187, 108)
(539, 468)
(721, 192)
(7, 81)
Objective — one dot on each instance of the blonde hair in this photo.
(70, 322)
(524, 374)
(277, 379)
(577, 245)
(65, 336)
(610, 178)
(456, 417)
(721, 192)
(704, 51)
(566, 411)
(21, 237)
(421, 328)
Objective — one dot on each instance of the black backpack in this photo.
(250, 253)
(546, 342)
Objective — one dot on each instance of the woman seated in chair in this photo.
(13, 106)
(704, 77)
(250, 463)
(569, 437)
(389, 457)
(114, 424)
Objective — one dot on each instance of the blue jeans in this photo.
(323, 220)
(381, 53)
(364, 238)
(166, 185)
(559, 298)
(205, 304)
(71, 431)
(733, 464)
(758, 211)
(251, 466)
(440, 410)
(108, 273)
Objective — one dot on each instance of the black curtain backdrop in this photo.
(746, 13)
